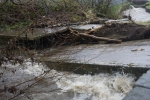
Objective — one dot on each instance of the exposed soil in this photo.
(125, 32)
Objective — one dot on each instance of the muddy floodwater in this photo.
(97, 87)
(61, 85)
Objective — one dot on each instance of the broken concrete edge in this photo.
(82, 68)
(40, 32)
(144, 81)
(125, 20)
(95, 21)
(87, 27)
(43, 32)
(47, 34)
(141, 88)
(139, 91)
(29, 35)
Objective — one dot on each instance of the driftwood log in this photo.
(100, 38)
(87, 34)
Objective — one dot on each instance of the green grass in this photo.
(115, 11)
(144, 23)
(148, 3)
(15, 26)
(17, 16)
(148, 7)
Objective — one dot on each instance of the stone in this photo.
(138, 93)
(85, 27)
(144, 80)
(139, 2)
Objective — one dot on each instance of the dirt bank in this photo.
(125, 32)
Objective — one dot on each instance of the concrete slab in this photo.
(129, 57)
(36, 33)
(144, 81)
(85, 27)
(128, 54)
(126, 20)
(138, 93)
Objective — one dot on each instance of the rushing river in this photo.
(97, 87)
(71, 86)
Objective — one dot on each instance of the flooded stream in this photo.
(71, 86)
(138, 14)
(97, 87)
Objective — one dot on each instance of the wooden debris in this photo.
(100, 38)
(86, 34)
(93, 30)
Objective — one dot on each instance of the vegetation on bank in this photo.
(53, 12)
(115, 11)
(18, 16)
(147, 3)
(148, 7)
(143, 23)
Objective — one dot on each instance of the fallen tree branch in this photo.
(100, 38)
(76, 33)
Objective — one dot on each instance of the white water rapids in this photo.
(73, 86)
(98, 87)
(138, 14)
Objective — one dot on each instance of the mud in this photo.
(125, 32)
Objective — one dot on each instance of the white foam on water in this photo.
(97, 87)
(84, 87)
(138, 14)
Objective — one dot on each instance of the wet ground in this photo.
(129, 57)
(130, 54)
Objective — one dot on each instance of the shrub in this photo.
(114, 12)
(148, 8)
(147, 3)
(63, 5)
(13, 16)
